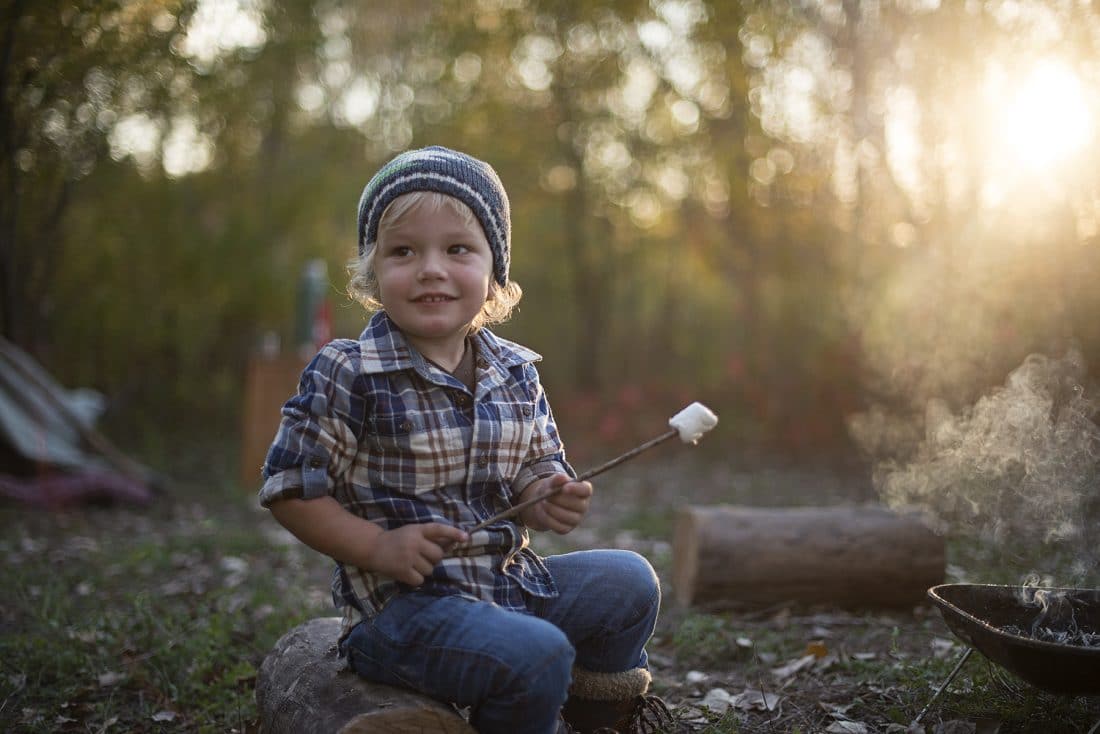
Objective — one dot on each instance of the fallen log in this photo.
(304, 687)
(734, 557)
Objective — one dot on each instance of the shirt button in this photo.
(314, 463)
(481, 363)
(407, 426)
(527, 411)
(483, 461)
(462, 400)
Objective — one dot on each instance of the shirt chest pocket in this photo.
(407, 455)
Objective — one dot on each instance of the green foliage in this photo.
(675, 234)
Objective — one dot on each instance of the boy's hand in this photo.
(560, 513)
(410, 552)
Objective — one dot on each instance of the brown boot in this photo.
(615, 703)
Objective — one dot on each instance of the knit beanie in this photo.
(444, 171)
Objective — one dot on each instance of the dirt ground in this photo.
(784, 669)
(775, 669)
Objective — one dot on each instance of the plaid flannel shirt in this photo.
(396, 440)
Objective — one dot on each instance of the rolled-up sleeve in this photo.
(318, 436)
(545, 454)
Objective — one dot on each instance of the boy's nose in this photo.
(431, 266)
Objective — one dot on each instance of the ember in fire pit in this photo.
(1055, 619)
(1049, 637)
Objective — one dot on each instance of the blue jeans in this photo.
(513, 669)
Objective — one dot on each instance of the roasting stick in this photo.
(689, 424)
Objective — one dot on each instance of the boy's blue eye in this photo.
(459, 249)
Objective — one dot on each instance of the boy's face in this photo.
(433, 273)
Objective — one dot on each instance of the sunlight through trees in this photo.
(793, 209)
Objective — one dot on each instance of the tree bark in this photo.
(744, 557)
(304, 687)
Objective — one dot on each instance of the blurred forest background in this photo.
(820, 217)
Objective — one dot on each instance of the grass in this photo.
(128, 620)
(156, 619)
(880, 670)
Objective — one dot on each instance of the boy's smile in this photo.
(433, 271)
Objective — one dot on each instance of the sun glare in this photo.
(1042, 117)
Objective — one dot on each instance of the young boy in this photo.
(428, 424)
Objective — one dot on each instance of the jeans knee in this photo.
(541, 668)
(637, 574)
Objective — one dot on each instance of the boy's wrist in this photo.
(524, 518)
(366, 549)
(532, 516)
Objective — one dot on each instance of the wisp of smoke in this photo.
(1020, 465)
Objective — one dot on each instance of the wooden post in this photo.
(269, 382)
(743, 557)
(304, 687)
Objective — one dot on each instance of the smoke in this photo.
(1020, 465)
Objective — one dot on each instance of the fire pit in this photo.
(1015, 627)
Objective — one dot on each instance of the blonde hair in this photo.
(363, 286)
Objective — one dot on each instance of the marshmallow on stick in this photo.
(693, 421)
(689, 424)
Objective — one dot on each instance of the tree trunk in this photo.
(730, 557)
(304, 687)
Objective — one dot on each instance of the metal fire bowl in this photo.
(976, 612)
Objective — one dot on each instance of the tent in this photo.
(51, 455)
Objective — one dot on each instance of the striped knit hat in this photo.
(449, 172)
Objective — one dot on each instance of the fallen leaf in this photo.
(694, 676)
(743, 642)
(87, 636)
(165, 716)
(236, 569)
(692, 713)
(865, 655)
(752, 699)
(110, 678)
(718, 700)
(956, 726)
(701, 719)
(941, 648)
(793, 667)
(847, 727)
(234, 564)
(817, 648)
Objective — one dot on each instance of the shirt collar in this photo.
(385, 349)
